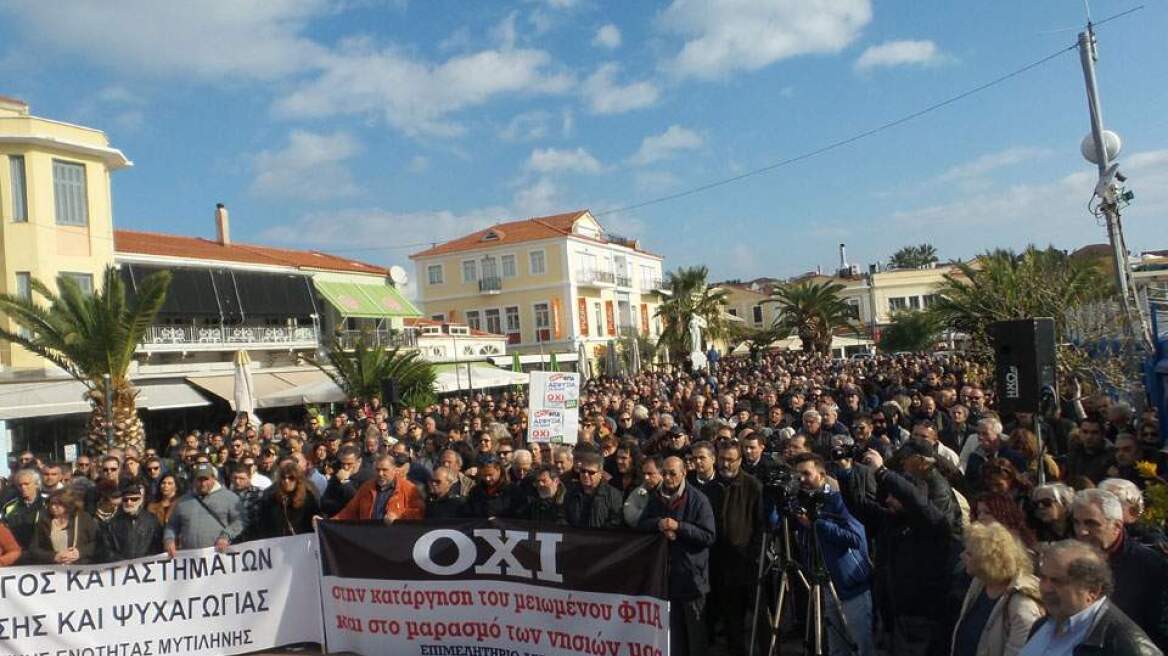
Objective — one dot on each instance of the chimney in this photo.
(222, 225)
(843, 257)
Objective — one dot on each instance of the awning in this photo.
(168, 395)
(506, 361)
(275, 390)
(42, 399)
(362, 301)
(452, 378)
(225, 293)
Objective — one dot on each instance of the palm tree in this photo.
(691, 296)
(91, 336)
(911, 330)
(362, 372)
(812, 311)
(913, 257)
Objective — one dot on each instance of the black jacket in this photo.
(503, 501)
(451, 506)
(130, 536)
(739, 524)
(1141, 588)
(689, 554)
(278, 519)
(546, 511)
(337, 495)
(1113, 634)
(601, 509)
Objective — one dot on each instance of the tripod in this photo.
(777, 568)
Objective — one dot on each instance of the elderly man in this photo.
(1141, 574)
(132, 533)
(1075, 583)
(209, 515)
(546, 505)
(442, 502)
(1132, 499)
(25, 510)
(990, 444)
(591, 503)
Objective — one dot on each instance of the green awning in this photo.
(364, 301)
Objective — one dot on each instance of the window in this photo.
(83, 280)
(69, 193)
(931, 299)
(508, 262)
(543, 322)
(733, 311)
(598, 312)
(538, 264)
(513, 328)
(19, 193)
(897, 304)
(473, 320)
(438, 317)
(24, 291)
(470, 271)
(757, 313)
(494, 324)
(489, 268)
(854, 309)
(646, 277)
(914, 302)
(434, 273)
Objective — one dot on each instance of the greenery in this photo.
(757, 340)
(911, 330)
(690, 296)
(91, 336)
(362, 371)
(813, 311)
(913, 257)
(646, 348)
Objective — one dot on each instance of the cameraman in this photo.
(843, 550)
(857, 482)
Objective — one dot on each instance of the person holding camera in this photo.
(829, 536)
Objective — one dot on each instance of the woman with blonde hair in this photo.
(1003, 601)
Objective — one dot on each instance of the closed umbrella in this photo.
(583, 366)
(553, 365)
(636, 357)
(244, 396)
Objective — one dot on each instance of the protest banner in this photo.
(255, 596)
(553, 412)
(492, 586)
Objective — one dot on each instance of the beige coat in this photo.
(1008, 627)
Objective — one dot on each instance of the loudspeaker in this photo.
(389, 396)
(1024, 363)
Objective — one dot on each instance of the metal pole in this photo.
(109, 411)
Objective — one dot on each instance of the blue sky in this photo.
(364, 127)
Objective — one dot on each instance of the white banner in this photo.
(553, 413)
(256, 596)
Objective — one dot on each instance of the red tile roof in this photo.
(512, 232)
(157, 244)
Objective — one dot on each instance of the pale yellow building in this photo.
(55, 207)
(549, 284)
(751, 305)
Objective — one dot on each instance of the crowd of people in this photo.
(943, 527)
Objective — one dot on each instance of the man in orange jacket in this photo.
(389, 496)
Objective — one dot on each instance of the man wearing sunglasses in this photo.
(131, 533)
(591, 503)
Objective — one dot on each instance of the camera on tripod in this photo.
(781, 488)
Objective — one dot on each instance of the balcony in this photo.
(655, 285)
(595, 278)
(381, 337)
(491, 285)
(624, 281)
(219, 338)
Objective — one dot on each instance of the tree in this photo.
(913, 257)
(691, 296)
(91, 336)
(813, 311)
(362, 371)
(911, 330)
(756, 339)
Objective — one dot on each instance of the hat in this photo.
(676, 430)
(133, 487)
(205, 470)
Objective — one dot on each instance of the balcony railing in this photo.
(490, 285)
(206, 338)
(655, 285)
(595, 277)
(383, 337)
(624, 281)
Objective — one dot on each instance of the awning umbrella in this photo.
(244, 387)
(583, 365)
(553, 365)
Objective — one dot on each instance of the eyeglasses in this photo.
(590, 472)
(504, 452)
(133, 498)
(111, 469)
(153, 468)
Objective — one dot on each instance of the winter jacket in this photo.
(22, 517)
(195, 525)
(82, 535)
(1112, 634)
(843, 544)
(250, 499)
(10, 550)
(405, 503)
(601, 509)
(337, 495)
(1141, 587)
(547, 511)
(739, 525)
(503, 500)
(131, 536)
(276, 519)
(1013, 615)
(689, 554)
(451, 506)
(1093, 465)
(635, 505)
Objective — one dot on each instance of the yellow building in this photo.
(550, 284)
(55, 207)
(751, 304)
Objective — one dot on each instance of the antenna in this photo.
(1087, 8)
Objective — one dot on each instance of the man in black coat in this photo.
(590, 503)
(685, 517)
(739, 524)
(545, 503)
(131, 533)
(441, 500)
(1140, 574)
(342, 485)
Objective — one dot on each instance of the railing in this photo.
(383, 337)
(490, 285)
(624, 281)
(595, 276)
(193, 338)
(627, 242)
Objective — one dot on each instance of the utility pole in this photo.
(1106, 190)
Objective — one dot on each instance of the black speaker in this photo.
(389, 396)
(1024, 363)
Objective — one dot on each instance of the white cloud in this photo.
(259, 40)
(900, 53)
(504, 32)
(538, 199)
(310, 167)
(528, 126)
(606, 96)
(553, 160)
(664, 145)
(417, 96)
(724, 36)
(608, 36)
(984, 164)
(567, 123)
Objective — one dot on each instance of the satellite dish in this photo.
(398, 275)
(1112, 144)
